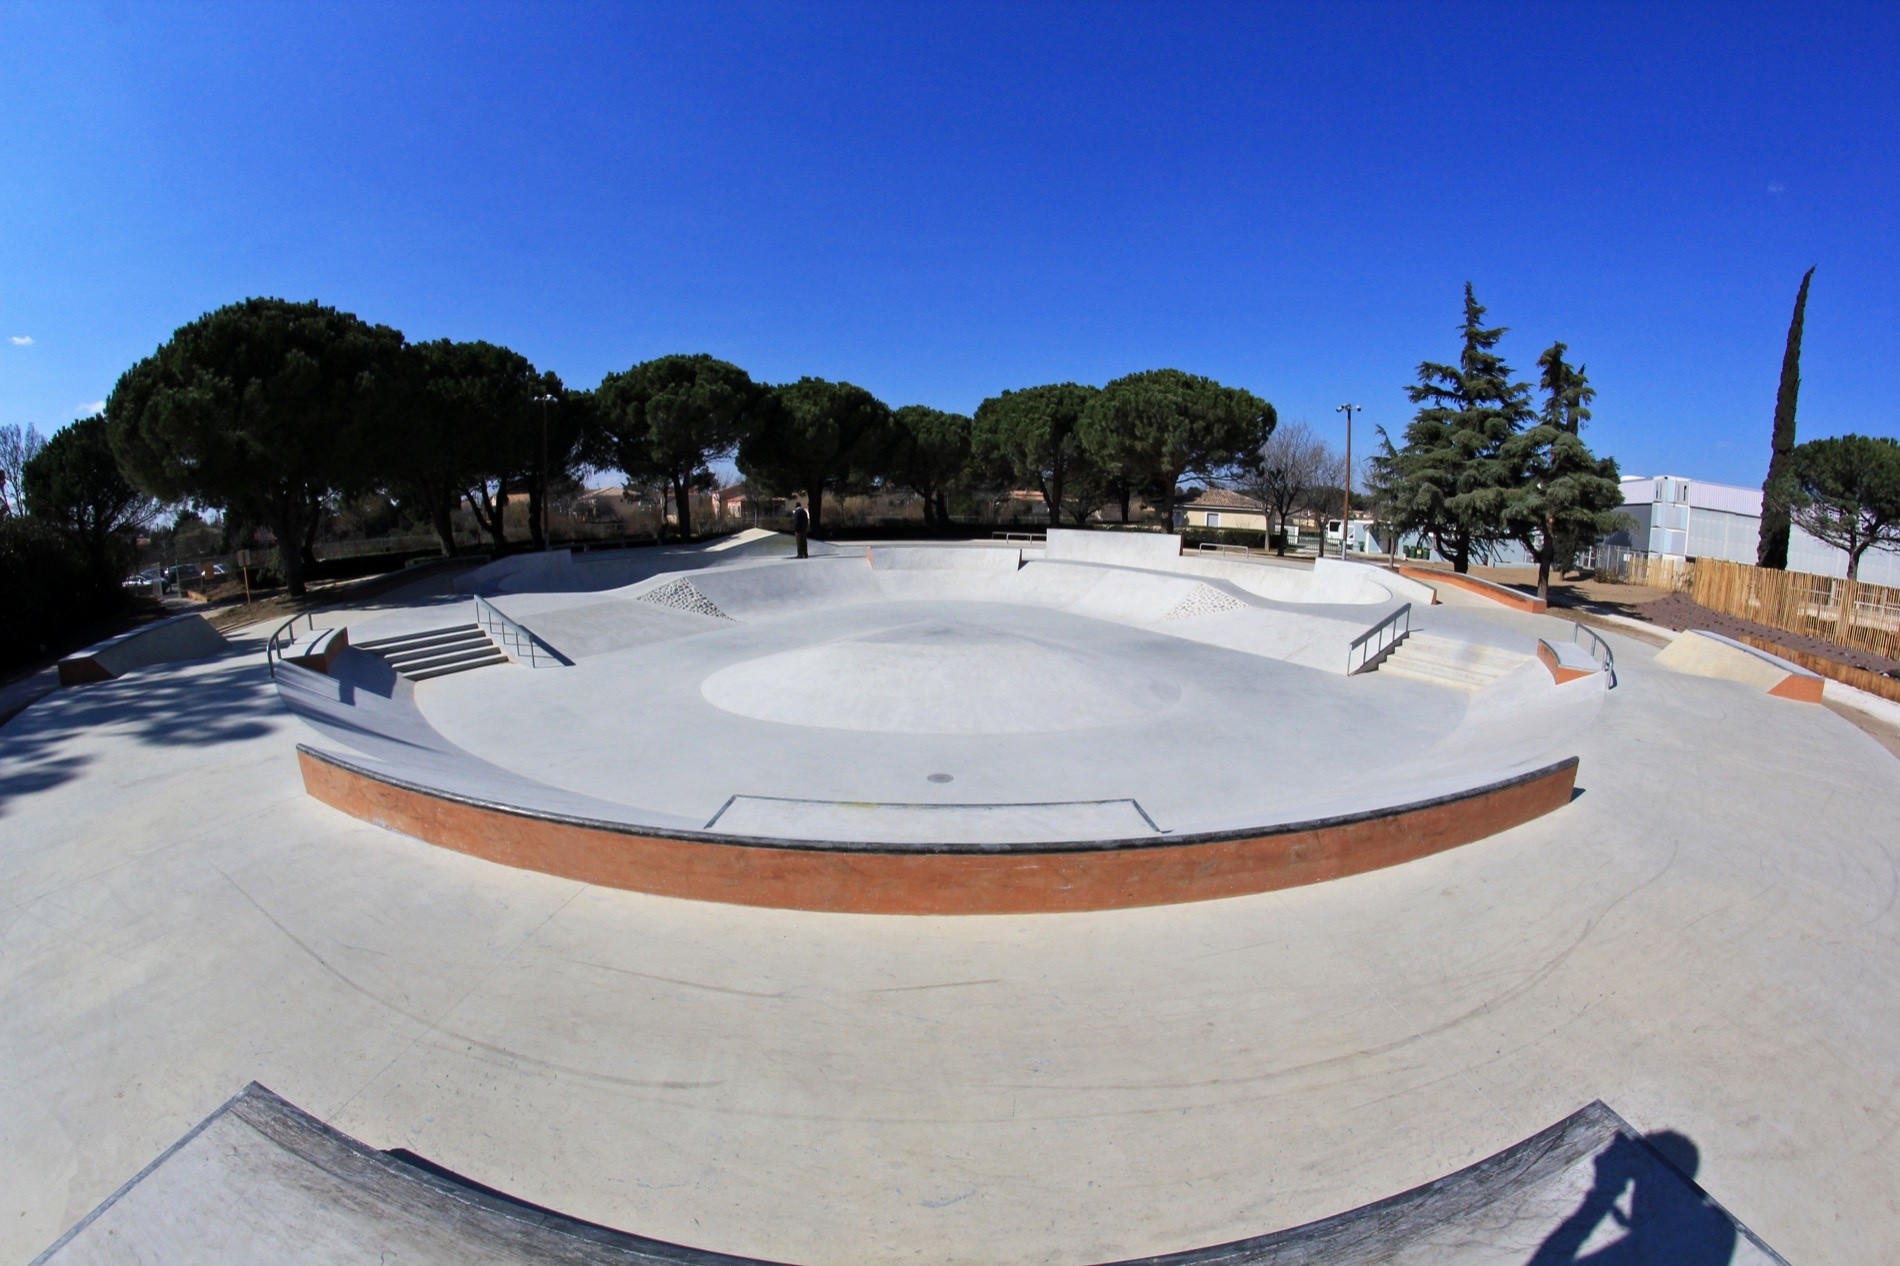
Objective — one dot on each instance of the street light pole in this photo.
(1345, 521)
(544, 400)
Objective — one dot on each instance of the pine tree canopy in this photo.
(1566, 497)
(1452, 479)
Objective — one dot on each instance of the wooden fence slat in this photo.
(1845, 612)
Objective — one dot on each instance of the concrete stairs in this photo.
(1445, 662)
(456, 648)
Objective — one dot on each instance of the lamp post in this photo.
(544, 400)
(1345, 521)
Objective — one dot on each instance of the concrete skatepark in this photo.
(1699, 932)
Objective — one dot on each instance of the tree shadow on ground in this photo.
(167, 706)
(1668, 1218)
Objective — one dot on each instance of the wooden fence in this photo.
(1653, 570)
(1859, 678)
(1844, 612)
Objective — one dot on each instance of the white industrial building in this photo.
(1689, 518)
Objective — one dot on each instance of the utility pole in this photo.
(1345, 519)
(544, 400)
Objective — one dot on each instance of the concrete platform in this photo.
(1706, 938)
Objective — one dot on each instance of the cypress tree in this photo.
(1772, 548)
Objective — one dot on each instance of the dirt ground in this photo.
(1676, 612)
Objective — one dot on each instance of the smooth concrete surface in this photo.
(262, 1181)
(859, 821)
(1707, 938)
(1706, 654)
(1121, 549)
(181, 637)
(984, 703)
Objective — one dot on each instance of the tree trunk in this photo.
(308, 547)
(491, 514)
(943, 511)
(1546, 555)
(441, 515)
(682, 500)
(1167, 501)
(289, 534)
(930, 513)
(537, 538)
(1052, 497)
(817, 498)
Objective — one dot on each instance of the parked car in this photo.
(143, 579)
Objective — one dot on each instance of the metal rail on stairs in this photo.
(520, 644)
(1372, 646)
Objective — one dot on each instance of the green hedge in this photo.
(1253, 538)
(47, 590)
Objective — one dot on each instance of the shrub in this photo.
(50, 589)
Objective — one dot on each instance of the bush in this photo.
(1253, 538)
(50, 590)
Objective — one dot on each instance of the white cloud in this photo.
(89, 410)
(21, 340)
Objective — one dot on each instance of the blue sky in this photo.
(942, 201)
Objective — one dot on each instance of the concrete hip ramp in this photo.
(183, 637)
(260, 1180)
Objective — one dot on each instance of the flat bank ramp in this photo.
(260, 1180)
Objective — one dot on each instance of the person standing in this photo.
(801, 524)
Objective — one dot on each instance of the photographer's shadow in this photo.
(1668, 1218)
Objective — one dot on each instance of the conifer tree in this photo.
(1771, 549)
(1453, 480)
(1567, 496)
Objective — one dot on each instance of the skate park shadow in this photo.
(181, 705)
(1643, 1207)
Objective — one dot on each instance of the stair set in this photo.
(1444, 662)
(456, 648)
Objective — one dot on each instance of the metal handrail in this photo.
(273, 648)
(1600, 649)
(1377, 636)
(1000, 535)
(520, 643)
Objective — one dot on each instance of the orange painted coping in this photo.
(1485, 588)
(885, 879)
(1802, 686)
(1559, 673)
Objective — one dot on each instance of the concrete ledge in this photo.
(262, 1180)
(1700, 653)
(1472, 584)
(936, 879)
(1118, 549)
(1566, 661)
(166, 641)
